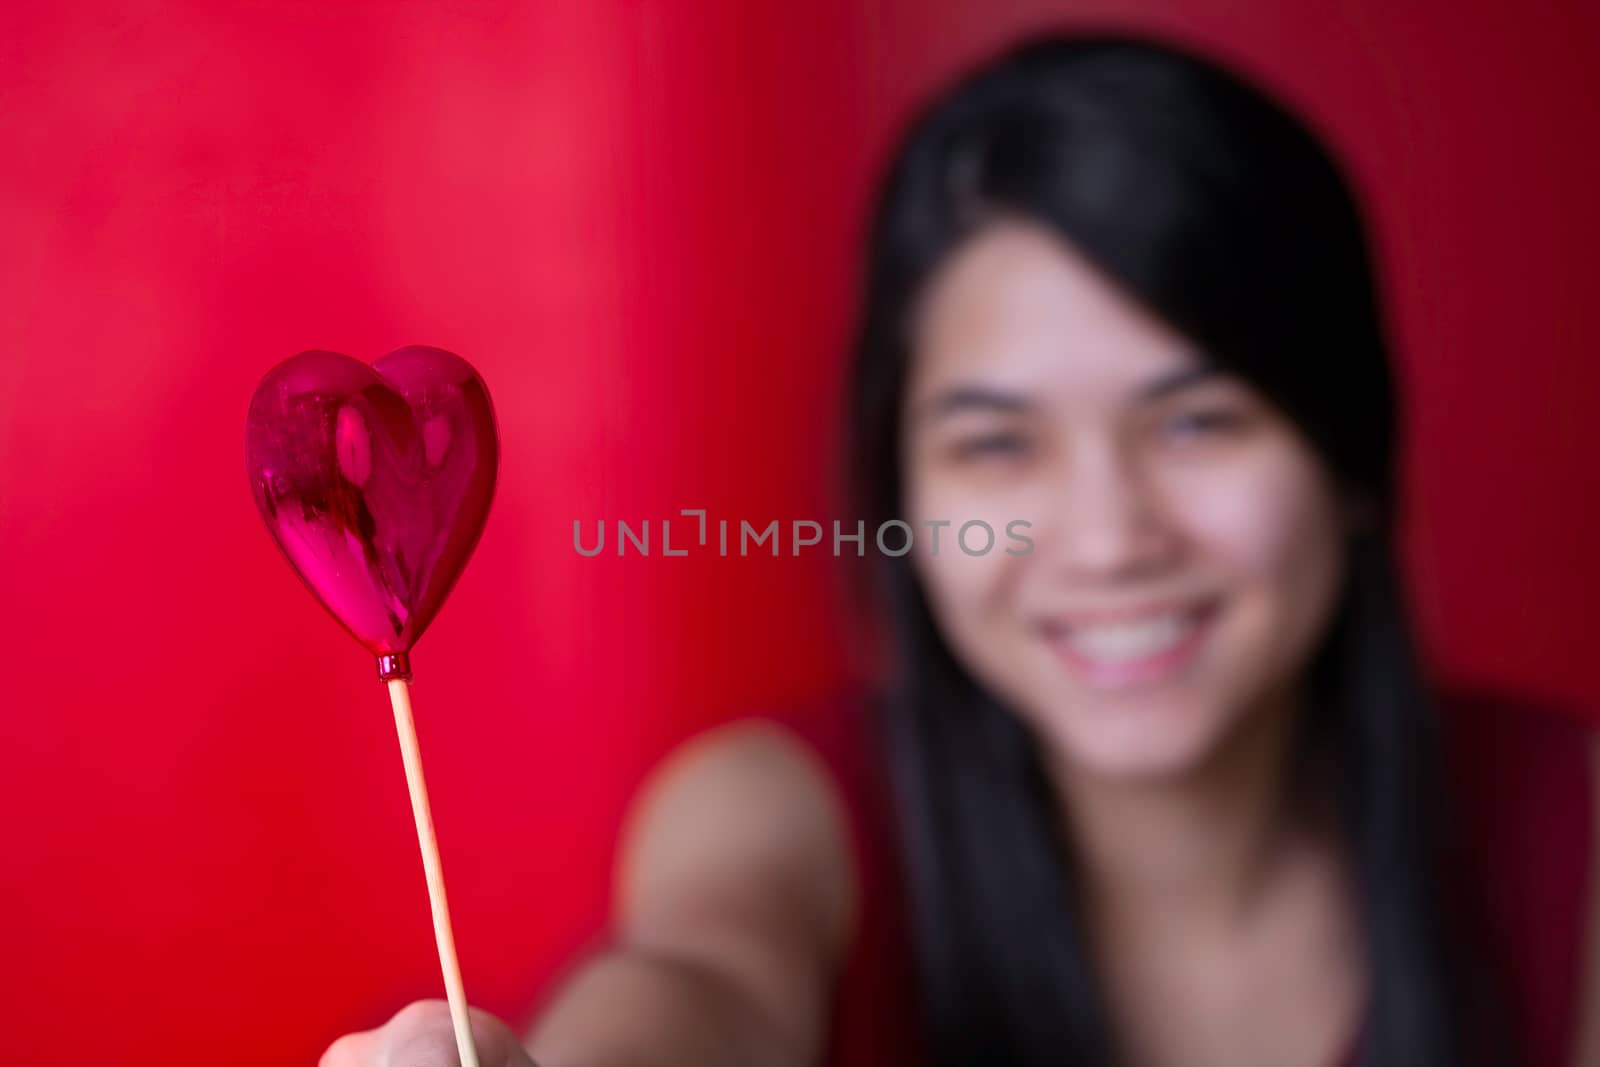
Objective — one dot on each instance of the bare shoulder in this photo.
(736, 850)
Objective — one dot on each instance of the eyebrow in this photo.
(1179, 380)
(970, 397)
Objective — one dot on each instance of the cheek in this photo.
(969, 591)
(1270, 525)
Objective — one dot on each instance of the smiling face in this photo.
(1186, 540)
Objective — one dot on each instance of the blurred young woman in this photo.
(1165, 785)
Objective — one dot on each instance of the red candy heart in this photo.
(375, 482)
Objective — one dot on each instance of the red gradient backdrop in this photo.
(637, 218)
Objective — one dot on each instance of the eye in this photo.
(1199, 424)
(1002, 445)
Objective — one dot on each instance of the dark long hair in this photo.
(1222, 214)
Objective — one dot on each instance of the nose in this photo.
(1107, 519)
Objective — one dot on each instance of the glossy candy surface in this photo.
(376, 482)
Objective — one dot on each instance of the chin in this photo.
(1162, 738)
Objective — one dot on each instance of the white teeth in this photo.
(1119, 642)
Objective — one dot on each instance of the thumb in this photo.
(432, 1043)
(422, 1035)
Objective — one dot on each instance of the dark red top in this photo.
(1523, 790)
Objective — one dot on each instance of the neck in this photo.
(1191, 853)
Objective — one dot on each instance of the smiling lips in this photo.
(1117, 650)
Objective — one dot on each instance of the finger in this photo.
(351, 1050)
(373, 1048)
(422, 1035)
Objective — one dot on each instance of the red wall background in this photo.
(637, 218)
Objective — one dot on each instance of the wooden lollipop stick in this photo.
(400, 697)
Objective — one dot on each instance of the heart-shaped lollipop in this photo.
(376, 482)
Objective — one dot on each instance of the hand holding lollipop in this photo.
(375, 482)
